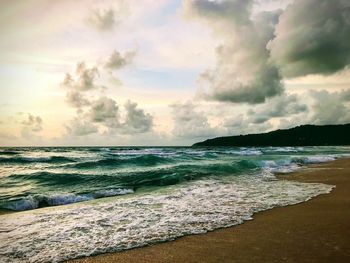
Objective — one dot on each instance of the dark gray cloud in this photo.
(233, 122)
(118, 60)
(259, 49)
(312, 37)
(84, 79)
(136, 120)
(31, 125)
(234, 12)
(105, 112)
(81, 127)
(103, 109)
(294, 121)
(96, 111)
(190, 122)
(345, 95)
(34, 122)
(240, 124)
(243, 72)
(125, 120)
(77, 85)
(331, 108)
(103, 20)
(76, 99)
(281, 106)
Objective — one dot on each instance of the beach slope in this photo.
(314, 231)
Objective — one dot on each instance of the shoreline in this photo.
(314, 231)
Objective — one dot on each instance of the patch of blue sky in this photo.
(167, 11)
(162, 79)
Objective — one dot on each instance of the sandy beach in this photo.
(314, 231)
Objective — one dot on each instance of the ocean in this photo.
(125, 197)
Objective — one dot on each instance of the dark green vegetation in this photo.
(306, 135)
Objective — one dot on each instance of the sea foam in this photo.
(178, 191)
(55, 235)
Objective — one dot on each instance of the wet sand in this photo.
(314, 231)
(4, 212)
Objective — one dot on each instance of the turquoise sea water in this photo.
(139, 195)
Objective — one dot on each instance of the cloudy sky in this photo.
(169, 72)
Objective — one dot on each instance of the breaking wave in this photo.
(38, 201)
(26, 160)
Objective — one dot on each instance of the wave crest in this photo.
(144, 160)
(26, 160)
(37, 201)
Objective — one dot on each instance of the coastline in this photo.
(313, 231)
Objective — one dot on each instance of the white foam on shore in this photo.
(274, 167)
(55, 235)
(314, 159)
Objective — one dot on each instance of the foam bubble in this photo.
(112, 192)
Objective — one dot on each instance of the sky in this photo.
(169, 72)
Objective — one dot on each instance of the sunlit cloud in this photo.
(169, 72)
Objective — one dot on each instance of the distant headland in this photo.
(305, 135)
